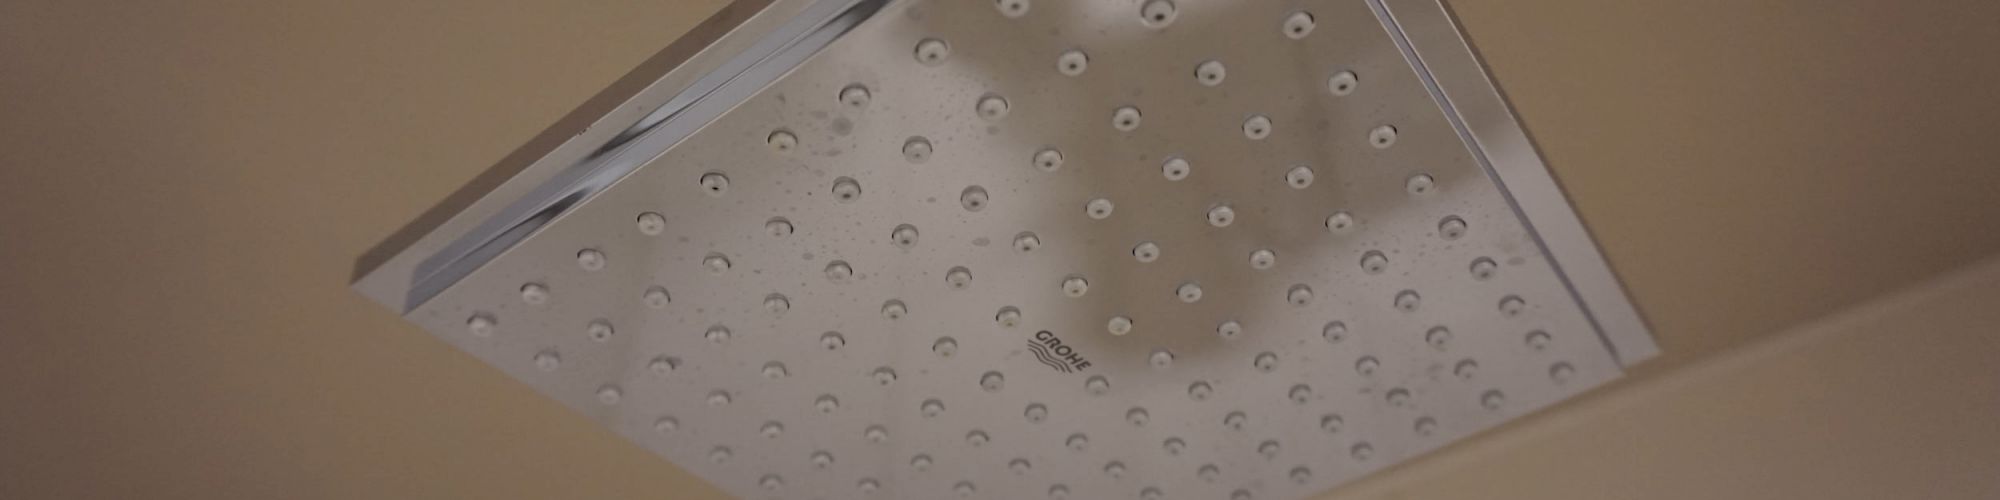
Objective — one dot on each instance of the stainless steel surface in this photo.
(1426, 32)
(819, 293)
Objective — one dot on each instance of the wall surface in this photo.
(185, 186)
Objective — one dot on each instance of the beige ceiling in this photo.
(186, 184)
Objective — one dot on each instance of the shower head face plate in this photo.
(1012, 249)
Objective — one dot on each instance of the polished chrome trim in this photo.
(527, 203)
(1445, 60)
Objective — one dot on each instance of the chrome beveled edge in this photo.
(744, 47)
(1444, 58)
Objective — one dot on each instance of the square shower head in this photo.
(846, 249)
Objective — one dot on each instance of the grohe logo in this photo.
(1050, 351)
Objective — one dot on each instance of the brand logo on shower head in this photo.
(1051, 351)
